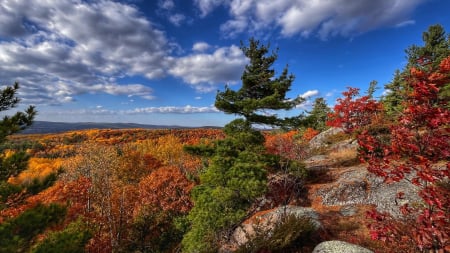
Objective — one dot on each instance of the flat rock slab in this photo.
(339, 247)
(358, 186)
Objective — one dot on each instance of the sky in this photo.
(162, 62)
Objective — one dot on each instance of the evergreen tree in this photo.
(19, 121)
(318, 116)
(436, 48)
(70, 240)
(236, 174)
(393, 99)
(16, 234)
(13, 165)
(261, 90)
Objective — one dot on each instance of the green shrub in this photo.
(16, 233)
(70, 240)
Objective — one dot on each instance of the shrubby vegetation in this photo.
(405, 137)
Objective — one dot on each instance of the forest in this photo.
(240, 188)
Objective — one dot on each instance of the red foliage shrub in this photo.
(419, 148)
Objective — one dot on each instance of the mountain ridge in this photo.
(48, 127)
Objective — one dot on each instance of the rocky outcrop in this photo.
(358, 186)
(265, 221)
(320, 140)
(339, 247)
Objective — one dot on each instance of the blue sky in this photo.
(162, 61)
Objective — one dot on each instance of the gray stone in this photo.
(319, 140)
(358, 186)
(339, 247)
(267, 221)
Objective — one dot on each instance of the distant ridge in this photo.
(47, 127)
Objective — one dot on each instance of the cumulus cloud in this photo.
(177, 18)
(206, 6)
(100, 110)
(57, 50)
(304, 17)
(200, 46)
(307, 103)
(204, 71)
(166, 4)
(310, 93)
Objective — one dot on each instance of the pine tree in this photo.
(427, 57)
(13, 165)
(393, 99)
(261, 90)
(436, 48)
(236, 174)
(318, 116)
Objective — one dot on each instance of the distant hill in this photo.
(45, 127)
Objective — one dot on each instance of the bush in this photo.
(16, 234)
(70, 240)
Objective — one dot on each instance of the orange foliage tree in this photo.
(167, 188)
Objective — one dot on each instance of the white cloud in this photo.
(205, 71)
(166, 4)
(307, 103)
(310, 93)
(177, 19)
(321, 18)
(173, 109)
(200, 46)
(405, 23)
(99, 110)
(58, 50)
(206, 6)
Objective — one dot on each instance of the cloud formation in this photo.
(173, 109)
(99, 110)
(309, 93)
(204, 71)
(60, 49)
(304, 17)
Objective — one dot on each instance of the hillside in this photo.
(336, 188)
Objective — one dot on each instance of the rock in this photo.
(265, 221)
(349, 189)
(358, 186)
(339, 247)
(320, 139)
(384, 196)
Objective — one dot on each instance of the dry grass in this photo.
(344, 156)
